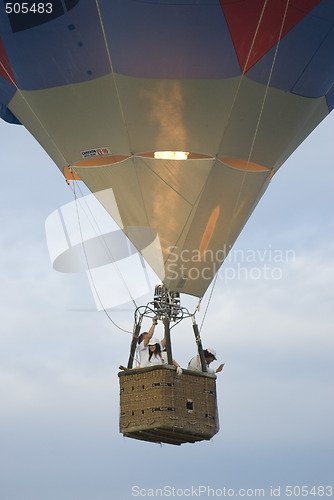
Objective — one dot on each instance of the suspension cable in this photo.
(258, 120)
(88, 266)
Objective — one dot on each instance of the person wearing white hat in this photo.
(210, 356)
(158, 357)
(143, 340)
(155, 354)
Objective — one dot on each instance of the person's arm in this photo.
(178, 367)
(150, 332)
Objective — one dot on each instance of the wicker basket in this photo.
(160, 406)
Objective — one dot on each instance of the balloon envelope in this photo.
(176, 115)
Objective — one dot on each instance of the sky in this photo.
(270, 320)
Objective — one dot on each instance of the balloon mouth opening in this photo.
(171, 155)
(174, 155)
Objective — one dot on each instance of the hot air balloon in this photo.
(176, 115)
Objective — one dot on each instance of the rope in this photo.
(106, 248)
(258, 121)
(88, 267)
(263, 100)
(120, 105)
(112, 71)
(210, 297)
(32, 112)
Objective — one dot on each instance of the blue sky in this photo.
(58, 357)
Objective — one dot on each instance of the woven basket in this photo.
(160, 406)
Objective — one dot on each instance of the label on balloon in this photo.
(91, 153)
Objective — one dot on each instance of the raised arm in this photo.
(150, 333)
